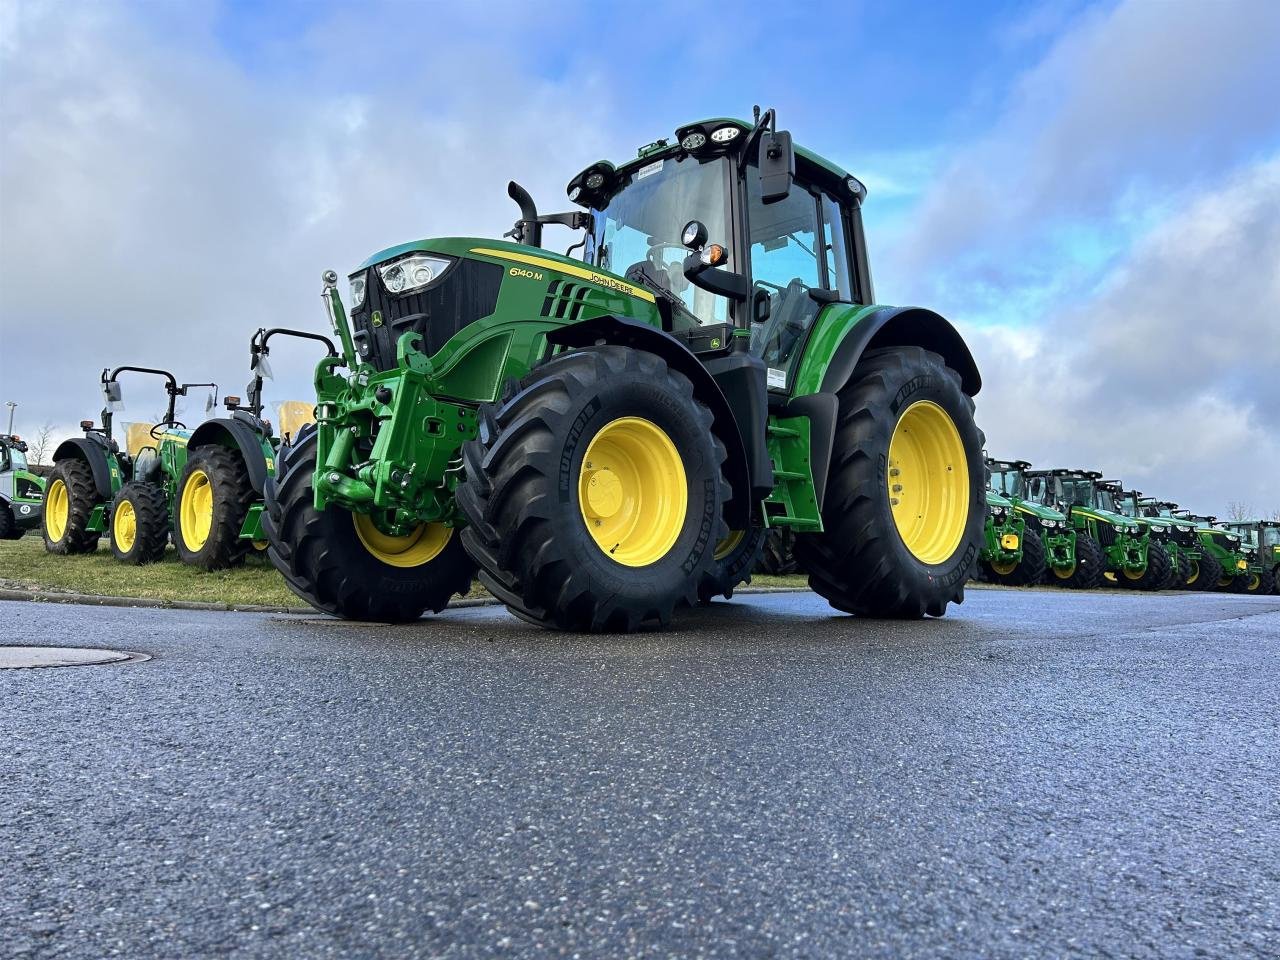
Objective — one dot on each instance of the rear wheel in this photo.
(1205, 573)
(735, 557)
(595, 492)
(905, 502)
(343, 564)
(1089, 567)
(139, 523)
(778, 557)
(213, 499)
(1157, 573)
(68, 504)
(1026, 572)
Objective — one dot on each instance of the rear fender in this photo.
(642, 336)
(108, 476)
(235, 435)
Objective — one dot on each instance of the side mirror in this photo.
(112, 393)
(777, 165)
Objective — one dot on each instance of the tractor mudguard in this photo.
(95, 455)
(642, 336)
(227, 432)
(902, 327)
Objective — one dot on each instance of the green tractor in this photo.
(21, 491)
(608, 438)
(97, 488)
(1177, 533)
(1223, 564)
(1200, 569)
(1005, 556)
(1110, 548)
(1048, 547)
(1264, 536)
(1161, 571)
(217, 499)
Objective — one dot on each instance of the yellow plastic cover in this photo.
(137, 436)
(292, 416)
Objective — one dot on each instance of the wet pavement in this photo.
(1041, 774)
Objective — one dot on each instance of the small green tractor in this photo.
(1264, 536)
(608, 438)
(1178, 534)
(1110, 547)
(96, 488)
(217, 500)
(1223, 564)
(1005, 554)
(21, 491)
(1048, 542)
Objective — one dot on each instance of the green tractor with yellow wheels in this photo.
(1223, 563)
(1047, 543)
(21, 491)
(1263, 537)
(98, 489)
(609, 438)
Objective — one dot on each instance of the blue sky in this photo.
(1089, 190)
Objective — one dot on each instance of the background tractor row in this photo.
(21, 491)
(202, 488)
(1045, 548)
(1260, 540)
(608, 438)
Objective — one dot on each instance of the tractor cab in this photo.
(733, 228)
(1008, 477)
(13, 453)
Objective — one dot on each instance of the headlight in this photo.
(1185, 528)
(357, 291)
(412, 273)
(725, 134)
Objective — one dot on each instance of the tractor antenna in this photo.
(755, 114)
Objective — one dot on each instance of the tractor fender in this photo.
(902, 327)
(642, 336)
(82, 448)
(226, 432)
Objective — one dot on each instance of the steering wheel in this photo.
(164, 426)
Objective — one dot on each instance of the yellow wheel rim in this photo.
(57, 509)
(1064, 573)
(1109, 576)
(1194, 575)
(261, 545)
(195, 511)
(1225, 581)
(1005, 569)
(928, 482)
(1254, 581)
(632, 491)
(1134, 574)
(412, 550)
(729, 544)
(124, 527)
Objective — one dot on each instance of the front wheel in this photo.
(594, 492)
(69, 502)
(1026, 572)
(343, 564)
(139, 523)
(1260, 584)
(1087, 572)
(1156, 575)
(213, 499)
(1205, 573)
(905, 501)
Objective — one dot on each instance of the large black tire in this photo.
(860, 563)
(1179, 568)
(1156, 576)
(1205, 573)
(734, 566)
(325, 561)
(778, 558)
(9, 529)
(76, 478)
(1260, 584)
(522, 493)
(223, 474)
(1030, 569)
(1090, 565)
(139, 523)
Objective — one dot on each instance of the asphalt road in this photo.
(1042, 774)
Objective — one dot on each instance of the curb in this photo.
(95, 600)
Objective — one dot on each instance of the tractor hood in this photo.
(1040, 511)
(996, 500)
(1106, 516)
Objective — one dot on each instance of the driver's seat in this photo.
(146, 465)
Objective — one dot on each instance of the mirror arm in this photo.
(726, 283)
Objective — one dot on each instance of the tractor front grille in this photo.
(467, 292)
(1106, 534)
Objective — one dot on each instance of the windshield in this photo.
(1271, 536)
(1008, 482)
(1078, 493)
(1129, 505)
(640, 228)
(17, 459)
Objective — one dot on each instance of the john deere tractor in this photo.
(1054, 552)
(1264, 535)
(1223, 564)
(21, 491)
(96, 488)
(217, 500)
(607, 438)
(1006, 556)
(1161, 571)
(1195, 569)
(1109, 546)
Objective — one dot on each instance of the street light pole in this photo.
(11, 404)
